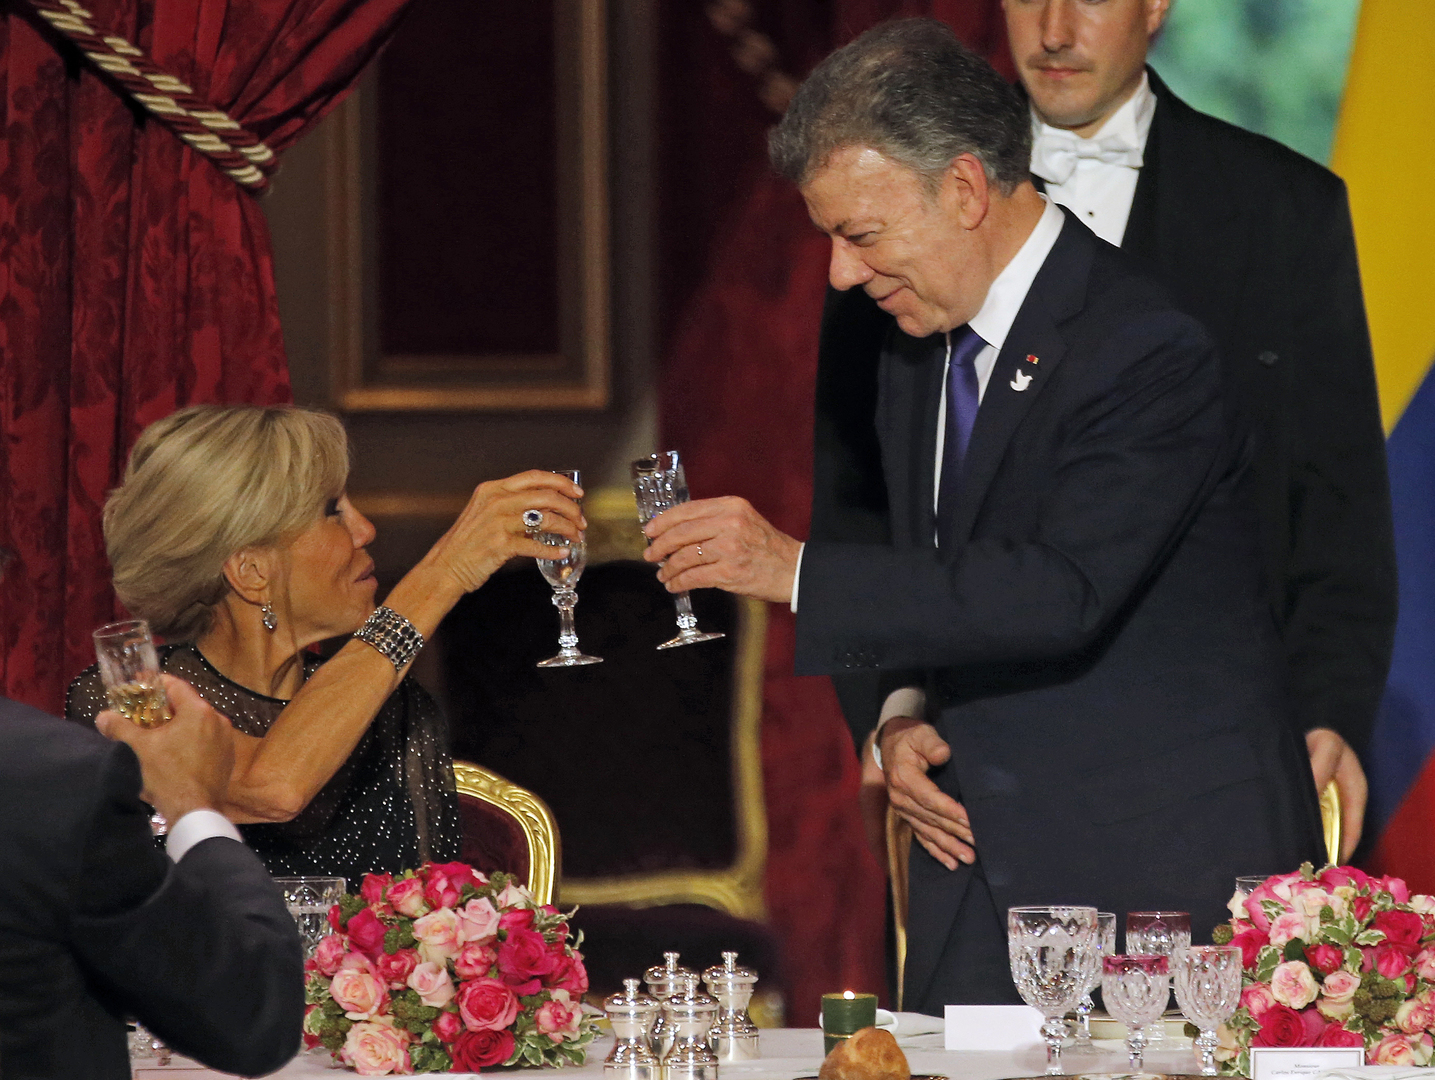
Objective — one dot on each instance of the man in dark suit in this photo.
(97, 924)
(1070, 582)
(1255, 241)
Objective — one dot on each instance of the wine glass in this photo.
(563, 574)
(1158, 933)
(1106, 939)
(1134, 989)
(1208, 989)
(129, 668)
(1050, 950)
(659, 484)
(309, 900)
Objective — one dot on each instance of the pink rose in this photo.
(570, 974)
(1397, 888)
(474, 960)
(1288, 927)
(1401, 1050)
(367, 933)
(1257, 998)
(1314, 1025)
(1276, 888)
(1337, 994)
(1360, 907)
(1340, 1035)
(486, 1005)
(440, 890)
(1416, 1014)
(478, 921)
(475, 1050)
(1400, 927)
(1250, 942)
(522, 959)
(356, 961)
(517, 919)
(437, 935)
(1280, 1026)
(432, 984)
(395, 969)
(1292, 984)
(1425, 964)
(407, 897)
(1392, 960)
(459, 874)
(1324, 958)
(329, 954)
(376, 1050)
(558, 1018)
(373, 888)
(358, 993)
(446, 1026)
(514, 895)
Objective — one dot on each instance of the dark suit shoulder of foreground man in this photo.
(98, 925)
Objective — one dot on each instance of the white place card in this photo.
(991, 1027)
(1296, 1062)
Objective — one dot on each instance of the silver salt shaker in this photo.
(631, 1014)
(664, 981)
(690, 1014)
(734, 1036)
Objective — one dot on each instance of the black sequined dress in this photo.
(389, 807)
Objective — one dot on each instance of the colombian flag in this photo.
(1385, 151)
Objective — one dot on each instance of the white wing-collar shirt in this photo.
(1096, 177)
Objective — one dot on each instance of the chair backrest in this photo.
(506, 827)
(651, 760)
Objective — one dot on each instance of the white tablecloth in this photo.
(793, 1052)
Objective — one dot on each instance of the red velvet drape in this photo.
(137, 278)
(746, 272)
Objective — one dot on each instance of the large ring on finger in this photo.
(532, 519)
(700, 551)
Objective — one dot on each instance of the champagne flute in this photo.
(129, 668)
(562, 575)
(1106, 937)
(659, 484)
(1050, 950)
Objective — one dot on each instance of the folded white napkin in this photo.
(1378, 1072)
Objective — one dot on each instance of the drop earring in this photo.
(271, 621)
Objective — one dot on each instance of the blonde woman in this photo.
(232, 534)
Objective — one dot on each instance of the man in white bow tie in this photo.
(1256, 242)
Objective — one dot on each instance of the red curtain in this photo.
(137, 278)
(745, 274)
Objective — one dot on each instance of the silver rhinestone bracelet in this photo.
(393, 635)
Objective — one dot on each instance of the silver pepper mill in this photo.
(664, 981)
(690, 1014)
(631, 1013)
(734, 1036)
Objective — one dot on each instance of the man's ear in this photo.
(965, 184)
(1156, 12)
(251, 573)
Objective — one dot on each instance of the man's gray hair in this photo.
(911, 91)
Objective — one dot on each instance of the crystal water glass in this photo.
(660, 484)
(309, 900)
(1106, 939)
(1208, 989)
(1134, 989)
(1051, 951)
(562, 576)
(1158, 933)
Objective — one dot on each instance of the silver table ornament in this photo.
(631, 1013)
(734, 1036)
(664, 980)
(690, 1014)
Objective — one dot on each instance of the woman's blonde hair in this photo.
(204, 483)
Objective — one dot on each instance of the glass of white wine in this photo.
(129, 668)
(563, 574)
(659, 484)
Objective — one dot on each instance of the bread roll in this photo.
(870, 1054)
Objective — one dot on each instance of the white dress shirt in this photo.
(1100, 186)
(195, 827)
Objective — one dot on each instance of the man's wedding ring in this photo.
(532, 519)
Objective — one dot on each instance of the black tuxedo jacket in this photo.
(1255, 241)
(96, 923)
(1094, 642)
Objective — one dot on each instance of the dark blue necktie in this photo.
(963, 397)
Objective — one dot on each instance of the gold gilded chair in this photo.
(507, 827)
(899, 850)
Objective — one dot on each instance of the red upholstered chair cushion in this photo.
(492, 839)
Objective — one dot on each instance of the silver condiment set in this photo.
(734, 1036)
(632, 1015)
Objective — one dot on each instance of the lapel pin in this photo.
(1020, 382)
(1033, 359)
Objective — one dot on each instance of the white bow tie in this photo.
(1054, 153)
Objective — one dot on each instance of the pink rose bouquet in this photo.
(1336, 958)
(444, 969)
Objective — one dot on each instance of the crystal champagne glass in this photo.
(1158, 933)
(1208, 989)
(1134, 989)
(129, 668)
(562, 575)
(659, 484)
(1050, 950)
(1106, 939)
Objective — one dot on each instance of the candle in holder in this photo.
(846, 1013)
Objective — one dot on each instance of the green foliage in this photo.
(350, 904)
(1223, 934)
(1294, 950)
(425, 1058)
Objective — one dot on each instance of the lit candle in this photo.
(845, 1013)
